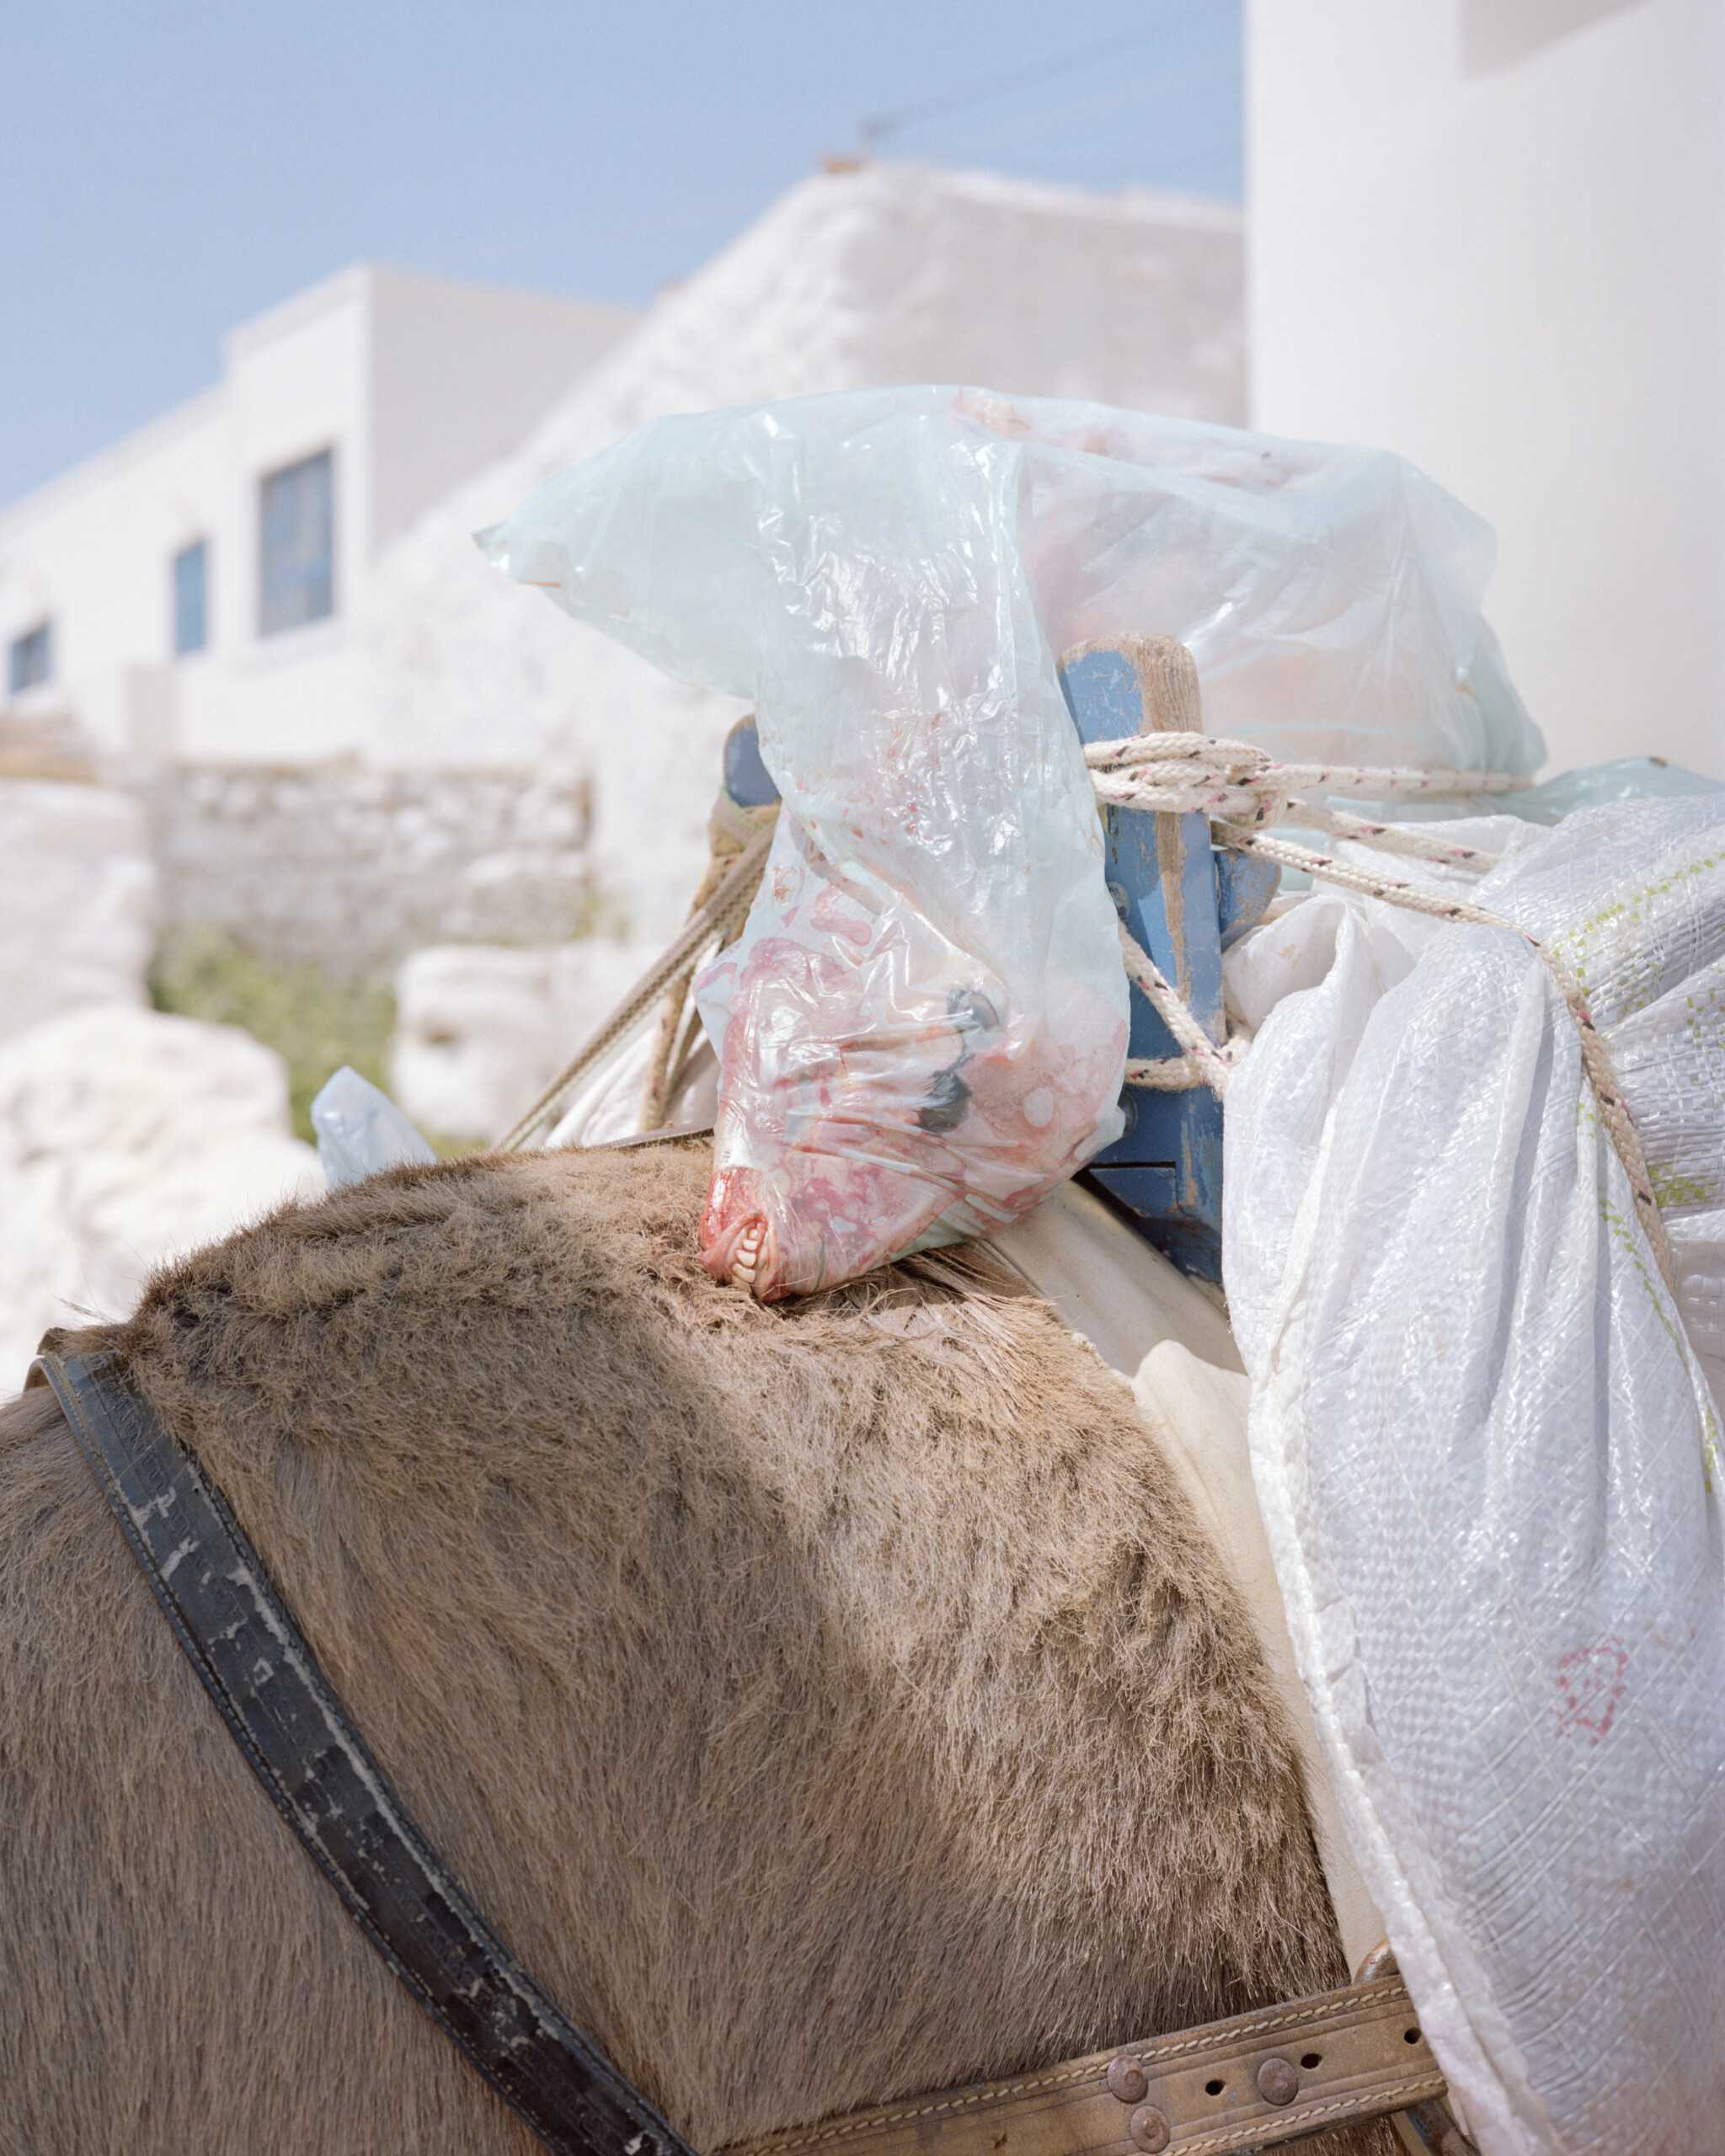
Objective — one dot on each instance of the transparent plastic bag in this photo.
(924, 1025)
(360, 1130)
(1486, 1443)
(885, 1084)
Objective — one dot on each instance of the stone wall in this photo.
(352, 869)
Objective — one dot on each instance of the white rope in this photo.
(1176, 773)
(1240, 789)
(1614, 1111)
(1202, 1061)
(1419, 844)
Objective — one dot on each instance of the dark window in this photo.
(191, 579)
(297, 545)
(30, 658)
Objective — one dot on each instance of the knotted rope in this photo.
(1240, 789)
(1238, 784)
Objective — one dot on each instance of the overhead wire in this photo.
(874, 128)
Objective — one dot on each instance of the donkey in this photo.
(828, 1702)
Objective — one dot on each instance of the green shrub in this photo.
(313, 1021)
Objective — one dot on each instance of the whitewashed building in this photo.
(194, 587)
(1491, 234)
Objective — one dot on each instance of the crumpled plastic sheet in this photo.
(1486, 1443)
(360, 1130)
(1629, 778)
(923, 1027)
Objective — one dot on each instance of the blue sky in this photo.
(166, 170)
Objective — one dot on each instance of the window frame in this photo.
(19, 682)
(301, 591)
(199, 547)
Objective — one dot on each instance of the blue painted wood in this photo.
(1166, 1167)
(746, 777)
(1244, 885)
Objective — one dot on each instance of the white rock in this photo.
(40, 1277)
(142, 1221)
(101, 1085)
(77, 900)
(481, 1028)
(128, 1137)
(476, 1035)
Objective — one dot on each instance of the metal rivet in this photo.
(1277, 2082)
(1150, 2129)
(1128, 2082)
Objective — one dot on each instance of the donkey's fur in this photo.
(827, 1702)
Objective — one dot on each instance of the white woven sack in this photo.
(1488, 1456)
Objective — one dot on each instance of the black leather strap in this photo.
(257, 1667)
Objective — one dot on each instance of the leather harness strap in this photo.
(281, 1711)
(1253, 2082)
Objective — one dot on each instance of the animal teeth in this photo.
(747, 1253)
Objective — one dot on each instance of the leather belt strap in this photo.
(1253, 2082)
(255, 1664)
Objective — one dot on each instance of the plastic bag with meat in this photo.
(883, 1087)
(923, 1027)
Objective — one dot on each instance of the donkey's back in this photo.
(827, 1703)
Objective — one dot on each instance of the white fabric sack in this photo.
(1488, 1454)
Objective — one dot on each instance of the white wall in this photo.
(412, 383)
(92, 556)
(1040, 291)
(1491, 234)
(461, 375)
(92, 550)
(296, 382)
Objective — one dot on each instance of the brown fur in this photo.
(828, 1703)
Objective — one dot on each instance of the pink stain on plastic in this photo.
(864, 1099)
